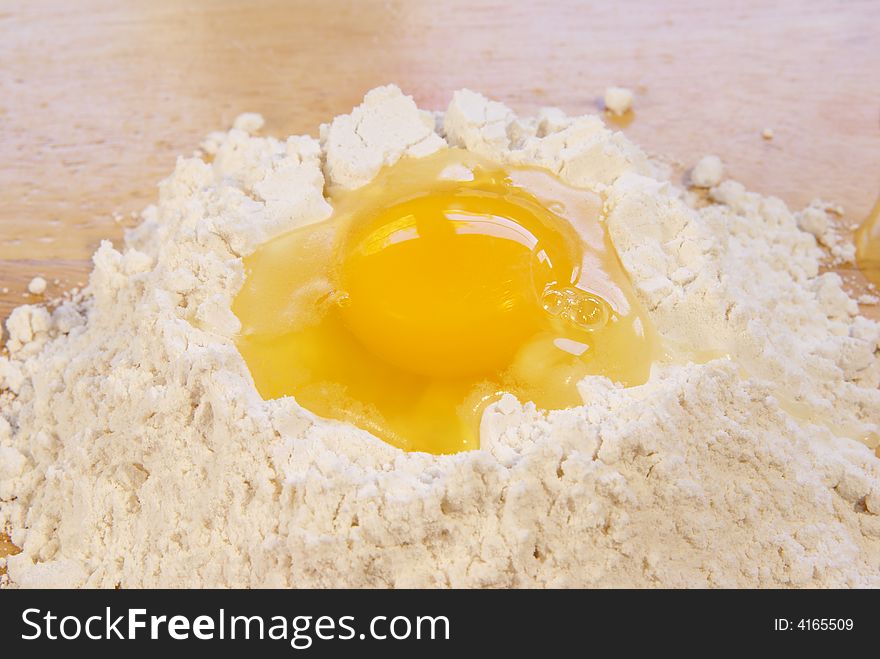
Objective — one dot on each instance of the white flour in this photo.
(618, 100)
(708, 172)
(134, 449)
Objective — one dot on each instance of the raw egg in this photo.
(445, 282)
(867, 240)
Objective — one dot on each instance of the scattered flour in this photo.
(37, 286)
(816, 219)
(618, 100)
(708, 172)
(249, 122)
(135, 451)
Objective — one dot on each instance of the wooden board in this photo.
(98, 97)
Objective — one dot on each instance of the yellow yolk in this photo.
(445, 282)
(868, 246)
(442, 285)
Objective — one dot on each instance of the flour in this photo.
(618, 100)
(135, 451)
(708, 172)
(37, 286)
(816, 219)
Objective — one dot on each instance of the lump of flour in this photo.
(618, 100)
(708, 172)
(37, 286)
(135, 451)
(817, 219)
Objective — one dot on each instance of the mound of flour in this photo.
(135, 451)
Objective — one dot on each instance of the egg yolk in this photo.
(442, 284)
(867, 241)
